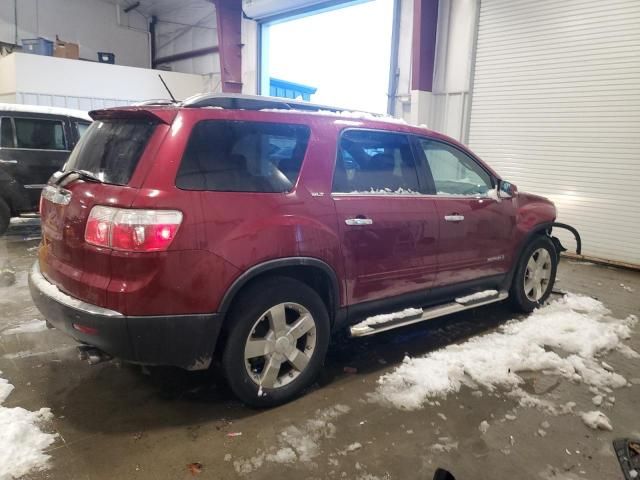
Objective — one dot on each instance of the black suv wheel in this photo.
(277, 343)
(535, 275)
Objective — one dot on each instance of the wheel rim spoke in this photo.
(301, 326)
(258, 348)
(298, 360)
(277, 352)
(269, 375)
(278, 319)
(531, 265)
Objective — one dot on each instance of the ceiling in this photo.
(172, 10)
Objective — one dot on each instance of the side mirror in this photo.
(507, 190)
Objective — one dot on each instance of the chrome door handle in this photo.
(454, 218)
(358, 221)
(12, 162)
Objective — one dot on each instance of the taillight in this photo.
(132, 230)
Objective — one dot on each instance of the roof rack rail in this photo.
(154, 102)
(252, 102)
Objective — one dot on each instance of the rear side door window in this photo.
(454, 172)
(238, 156)
(40, 134)
(7, 138)
(376, 163)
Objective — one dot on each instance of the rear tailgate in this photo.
(111, 150)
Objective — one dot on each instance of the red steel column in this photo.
(425, 26)
(228, 21)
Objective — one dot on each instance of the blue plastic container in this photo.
(37, 46)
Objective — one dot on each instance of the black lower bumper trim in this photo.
(185, 341)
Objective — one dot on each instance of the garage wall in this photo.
(94, 24)
(86, 85)
(556, 110)
(187, 28)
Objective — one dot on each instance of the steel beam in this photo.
(229, 21)
(425, 26)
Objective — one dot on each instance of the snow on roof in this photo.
(69, 112)
(349, 114)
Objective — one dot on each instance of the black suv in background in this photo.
(35, 142)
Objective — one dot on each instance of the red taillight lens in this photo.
(132, 230)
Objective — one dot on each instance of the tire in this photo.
(5, 217)
(256, 325)
(532, 282)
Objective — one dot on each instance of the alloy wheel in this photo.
(280, 345)
(537, 274)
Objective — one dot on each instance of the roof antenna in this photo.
(165, 86)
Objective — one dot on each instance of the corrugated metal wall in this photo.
(556, 110)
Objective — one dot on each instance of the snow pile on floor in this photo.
(296, 443)
(563, 338)
(33, 326)
(22, 443)
(596, 420)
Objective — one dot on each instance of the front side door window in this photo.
(454, 172)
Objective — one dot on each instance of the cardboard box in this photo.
(63, 49)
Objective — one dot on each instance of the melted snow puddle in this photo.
(22, 443)
(578, 328)
(296, 444)
(32, 326)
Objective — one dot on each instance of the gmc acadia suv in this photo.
(248, 229)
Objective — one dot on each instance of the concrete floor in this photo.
(116, 422)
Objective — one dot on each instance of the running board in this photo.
(363, 329)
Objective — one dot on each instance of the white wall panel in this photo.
(556, 110)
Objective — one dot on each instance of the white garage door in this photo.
(556, 110)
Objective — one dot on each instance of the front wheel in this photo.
(277, 343)
(535, 275)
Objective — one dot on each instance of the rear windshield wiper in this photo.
(83, 174)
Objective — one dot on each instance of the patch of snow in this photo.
(227, 457)
(597, 400)
(444, 447)
(32, 326)
(596, 420)
(386, 317)
(284, 455)
(385, 191)
(22, 443)
(484, 427)
(296, 442)
(626, 288)
(351, 448)
(562, 338)
(508, 416)
(633, 473)
(442, 416)
(476, 296)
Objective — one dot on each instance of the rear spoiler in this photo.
(154, 114)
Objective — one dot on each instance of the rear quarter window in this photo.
(237, 156)
(111, 149)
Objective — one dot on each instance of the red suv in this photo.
(248, 229)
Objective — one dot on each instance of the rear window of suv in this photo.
(236, 156)
(111, 149)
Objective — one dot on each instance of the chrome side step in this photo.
(363, 328)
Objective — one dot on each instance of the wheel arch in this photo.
(314, 272)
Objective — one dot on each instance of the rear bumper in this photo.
(185, 341)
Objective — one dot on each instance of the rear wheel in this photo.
(535, 275)
(277, 343)
(5, 216)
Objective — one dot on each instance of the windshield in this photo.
(111, 149)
